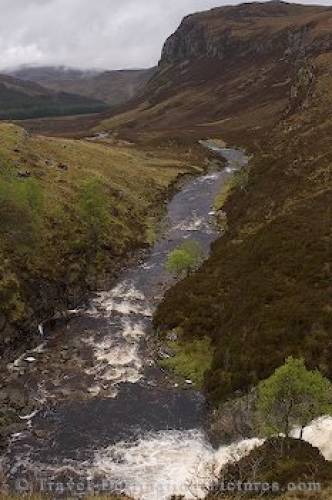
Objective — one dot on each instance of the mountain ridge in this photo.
(24, 99)
(113, 87)
(221, 66)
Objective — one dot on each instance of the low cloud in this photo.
(108, 34)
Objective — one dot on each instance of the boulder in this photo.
(63, 166)
(23, 174)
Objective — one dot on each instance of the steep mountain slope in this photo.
(112, 87)
(258, 76)
(21, 99)
(228, 69)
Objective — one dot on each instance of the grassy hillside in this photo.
(20, 99)
(69, 212)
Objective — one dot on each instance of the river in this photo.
(107, 417)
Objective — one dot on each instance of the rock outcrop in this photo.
(219, 67)
(249, 30)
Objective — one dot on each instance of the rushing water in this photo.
(108, 418)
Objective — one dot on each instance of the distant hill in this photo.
(112, 87)
(21, 99)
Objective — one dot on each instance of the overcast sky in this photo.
(108, 34)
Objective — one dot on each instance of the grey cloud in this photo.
(92, 33)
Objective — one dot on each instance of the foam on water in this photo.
(209, 177)
(167, 463)
(116, 355)
(117, 363)
(194, 223)
(319, 434)
(124, 299)
(183, 462)
(17, 362)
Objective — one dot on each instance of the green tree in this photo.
(292, 397)
(94, 211)
(184, 259)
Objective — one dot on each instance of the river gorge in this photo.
(104, 416)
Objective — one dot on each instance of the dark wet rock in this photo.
(24, 174)
(165, 353)
(17, 398)
(63, 166)
(3, 322)
(172, 336)
(4, 396)
(221, 214)
(13, 428)
(232, 421)
(40, 433)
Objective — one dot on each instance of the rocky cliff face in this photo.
(250, 30)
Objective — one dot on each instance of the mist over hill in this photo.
(111, 87)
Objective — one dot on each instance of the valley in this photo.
(81, 374)
(114, 368)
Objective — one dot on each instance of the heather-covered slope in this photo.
(264, 292)
(21, 99)
(272, 468)
(228, 70)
